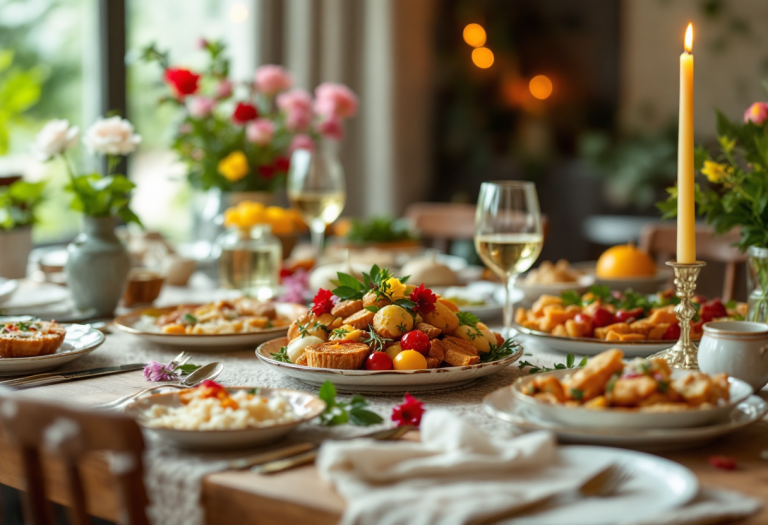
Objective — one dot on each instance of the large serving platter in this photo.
(505, 406)
(207, 342)
(80, 340)
(372, 381)
(594, 346)
(620, 418)
(305, 405)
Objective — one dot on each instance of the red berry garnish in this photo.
(415, 340)
(723, 462)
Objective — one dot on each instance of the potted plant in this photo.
(17, 215)
(97, 263)
(737, 195)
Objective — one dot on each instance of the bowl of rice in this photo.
(211, 416)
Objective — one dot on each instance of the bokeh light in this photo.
(474, 35)
(540, 86)
(482, 57)
(238, 13)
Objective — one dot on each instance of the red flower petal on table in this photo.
(266, 171)
(183, 81)
(409, 412)
(723, 462)
(282, 163)
(424, 298)
(323, 302)
(244, 112)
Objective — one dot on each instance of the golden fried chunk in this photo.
(613, 336)
(619, 328)
(248, 306)
(578, 329)
(657, 332)
(597, 403)
(560, 330)
(553, 316)
(550, 385)
(431, 331)
(627, 392)
(466, 345)
(643, 326)
(589, 382)
(301, 360)
(344, 309)
(665, 314)
(521, 316)
(449, 304)
(433, 362)
(457, 355)
(697, 388)
(360, 320)
(545, 300)
(436, 349)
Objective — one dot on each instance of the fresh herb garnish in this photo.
(577, 394)
(340, 332)
(372, 308)
(188, 319)
(375, 341)
(24, 326)
(402, 328)
(611, 382)
(350, 288)
(255, 391)
(570, 297)
(379, 229)
(303, 330)
(281, 356)
(570, 361)
(628, 300)
(187, 369)
(470, 320)
(663, 386)
(338, 413)
(506, 348)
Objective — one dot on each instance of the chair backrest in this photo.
(442, 222)
(660, 240)
(69, 434)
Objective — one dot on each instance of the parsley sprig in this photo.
(281, 356)
(570, 361)
(470, 320)
(338, 412)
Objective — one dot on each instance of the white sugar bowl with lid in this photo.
(738, 348)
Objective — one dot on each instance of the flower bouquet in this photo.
(736, 195)
(238, 137)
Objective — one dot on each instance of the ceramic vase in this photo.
(97, 267)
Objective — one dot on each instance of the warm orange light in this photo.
(540, 86)
(474, 35)
(689, 38)
(482, 57)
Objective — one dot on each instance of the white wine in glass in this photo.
(508, 233)
(316, 188)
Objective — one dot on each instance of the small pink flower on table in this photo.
(224, 89)
(302, 142)
(271, 79)
(155, 371)
(757, 113)
(200, 107)
(335, 101)
(409, 412)
(260, 131)
(297, 105)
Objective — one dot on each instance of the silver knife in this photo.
(50, 378)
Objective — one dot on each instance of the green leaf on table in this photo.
(338, 413)
(187, 369)
(569, 360)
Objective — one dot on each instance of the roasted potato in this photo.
(392, 321)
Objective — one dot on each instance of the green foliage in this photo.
(506, 348)
(18, 203)
(570, 362)
(379, 229)
(338, 413)
(99, 196)
(626, 300)
(347, 287)
(281, 356)
(19, 91)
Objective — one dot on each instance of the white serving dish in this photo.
(533, 291)
(662, 279)
(593, 346)
(617, 418)
(505, 406)
(79, 341)
(34, 296)
(7, 288)
(305, 405)
(491, 293)
(737, 348)
(207, 342)
(372, 381)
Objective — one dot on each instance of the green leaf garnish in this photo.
(188, 319)
(506, 348)
(187, 369)
(569, 363)
(281, 356)
(338, 413)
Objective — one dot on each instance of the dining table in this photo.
(198, 484)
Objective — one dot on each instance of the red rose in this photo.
(424, 298)
(282, 163)
(244, 112)
(409, 413)
(182, 81)
(322, 303)
(266, 171)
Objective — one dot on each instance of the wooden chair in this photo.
(68, 434)
(660, 240)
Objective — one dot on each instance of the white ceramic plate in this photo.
(592, 346)
(616, 418)
(505, 406)
(491, 293)
(79, 341)
(656, 485)
(305, 405)
(384, 381)
(7, 288)
(207, 342)
(35, 295)
(533, 291)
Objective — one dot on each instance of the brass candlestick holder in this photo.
(684, 353)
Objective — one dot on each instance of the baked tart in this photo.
(30, 338)
(336, 354)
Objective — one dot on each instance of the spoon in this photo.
(206, 372)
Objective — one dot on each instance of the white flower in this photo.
(111, 136)
(54, 139)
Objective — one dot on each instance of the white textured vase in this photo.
(15, 246)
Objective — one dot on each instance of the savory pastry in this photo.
(344, 356)
(30, 338)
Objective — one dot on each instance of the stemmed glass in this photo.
(316, 188)
(508, 234)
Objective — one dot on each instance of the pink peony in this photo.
(297, 105)
(302, 142)
(272, 79)
(260, 131)
(200, 107)
(331, 129)
(335, 100)
(757, 113)
(224, 89)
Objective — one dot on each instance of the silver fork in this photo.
(604, 484)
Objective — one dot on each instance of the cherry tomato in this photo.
(603, 317)
(698, 299)
(378, 361)
(712, 310)
(393, 349)
(624, 316)
(410, 360)
(587, 320)
(672, 333)
(415, 340)
(723, 462)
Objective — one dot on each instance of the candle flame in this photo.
(689, 38)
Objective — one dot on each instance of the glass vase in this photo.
(757, 284)
(250, 260)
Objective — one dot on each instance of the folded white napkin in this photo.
(458, 474)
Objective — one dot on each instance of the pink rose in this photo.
(302, 142)
(224, 89)
(335, 100)
(272, 79)
(297, 105)
(200, 107)
(757, 113)
(260, 131)
(331, 129)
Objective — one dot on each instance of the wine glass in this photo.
(316, 188)
(508, 235)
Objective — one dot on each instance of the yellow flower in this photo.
(714, 171)
(245, 215)
(396, 289)
(234, 166)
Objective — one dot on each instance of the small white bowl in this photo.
(737, 348)
(306, 406)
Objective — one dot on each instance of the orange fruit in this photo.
(624, 261)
